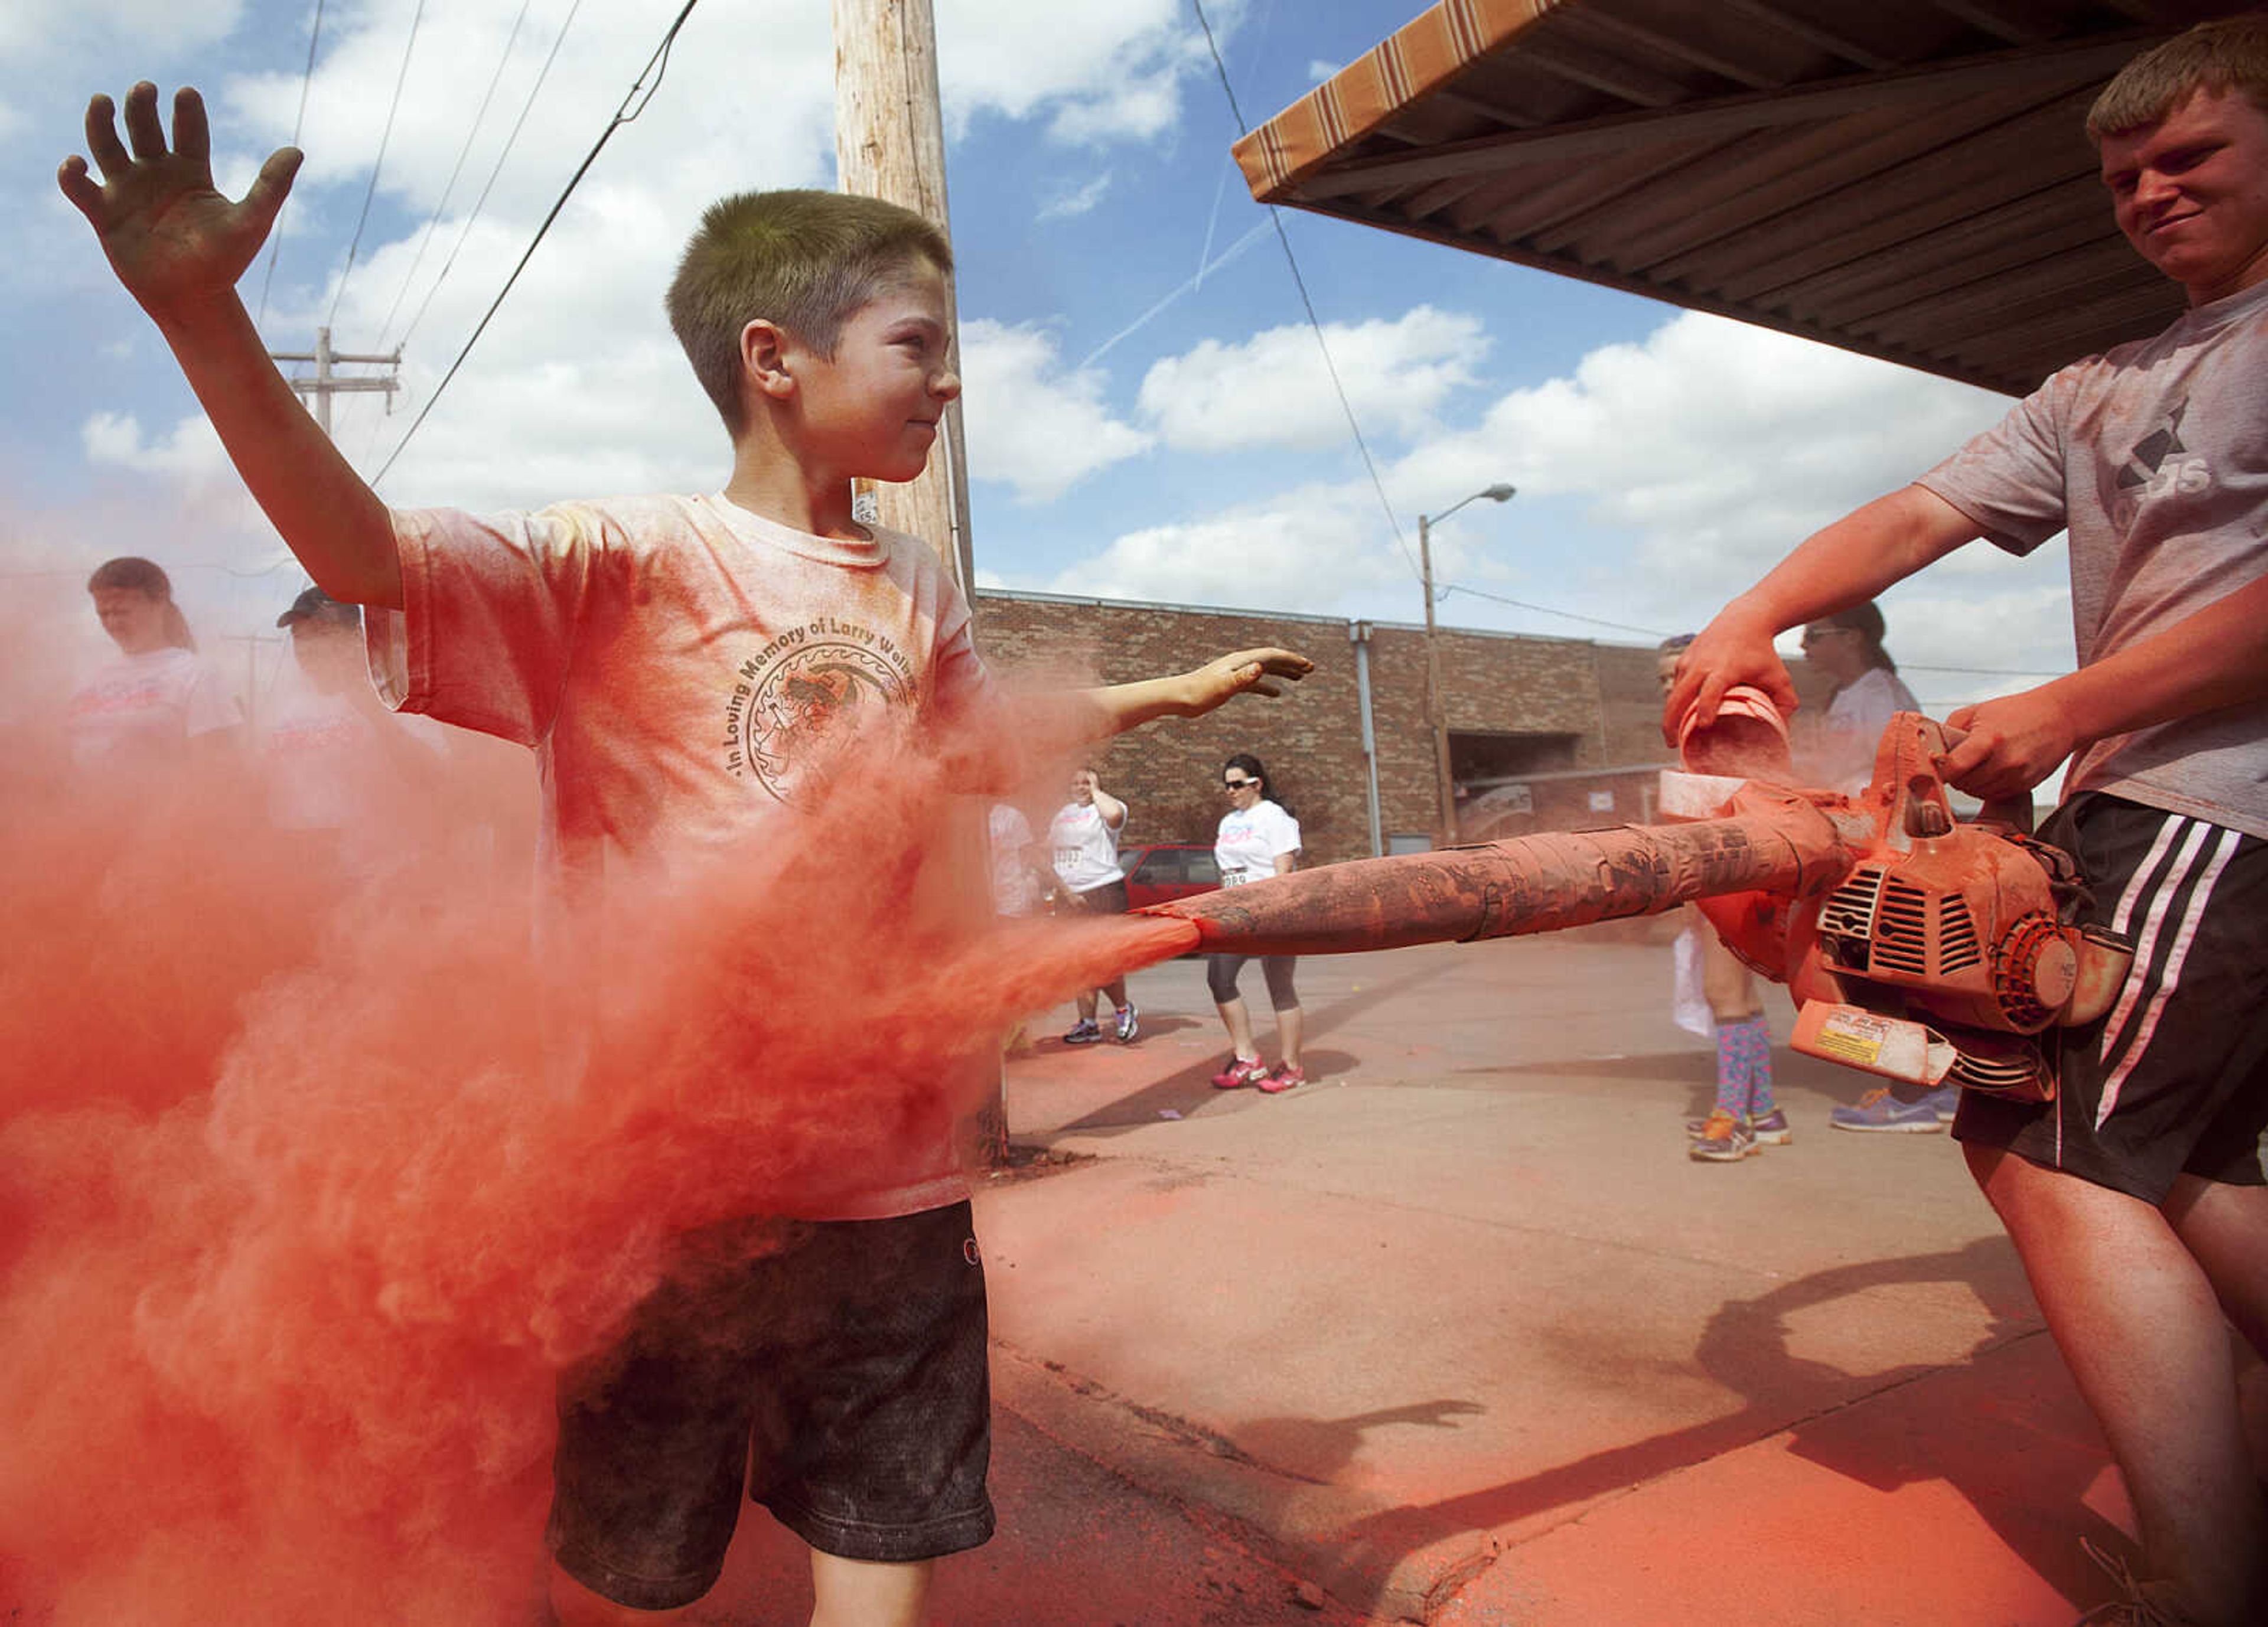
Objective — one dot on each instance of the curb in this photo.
(1378, 1559)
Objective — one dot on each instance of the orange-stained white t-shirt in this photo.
(682, 668)
(138, 711)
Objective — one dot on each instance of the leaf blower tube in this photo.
(1783, 845)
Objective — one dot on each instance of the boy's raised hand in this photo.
(173, 241)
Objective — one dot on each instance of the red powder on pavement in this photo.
(308, 1189)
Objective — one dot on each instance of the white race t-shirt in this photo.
(1250, 841)
(140, 711)
(684, 669)
(1083, 847)
(329, 770)
(1015, 886)
(1852, 732)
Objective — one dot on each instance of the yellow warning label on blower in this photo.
(1853, 1037)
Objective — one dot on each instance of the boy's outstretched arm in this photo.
(1097, 714)
(178, 247)
(1855, 558)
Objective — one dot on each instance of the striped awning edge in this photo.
(1362, 96)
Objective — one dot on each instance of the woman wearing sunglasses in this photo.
(1846, 649)
(1257, 838)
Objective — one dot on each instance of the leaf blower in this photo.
(1917, 946)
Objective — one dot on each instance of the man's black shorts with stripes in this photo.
(2174, 1077)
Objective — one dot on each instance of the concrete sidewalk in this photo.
(1458, 1334)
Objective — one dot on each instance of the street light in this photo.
(1444, 791)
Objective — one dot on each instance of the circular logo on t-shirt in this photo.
(792, 715)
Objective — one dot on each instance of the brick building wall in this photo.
(1549, 706)
(1168, 773)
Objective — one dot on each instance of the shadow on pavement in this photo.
(1989, 1450)
(1190, 1089)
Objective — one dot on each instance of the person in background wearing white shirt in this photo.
(159, 702)
(1257, 838)
(1845, 648)
(1083, 838)
(1717, 998)
(347, 782)
(1022, 883)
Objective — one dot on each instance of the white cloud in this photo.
(1715, 436)
(1716, 448)
(192, 451)
(1305, 551)
(1102, 72)
(1656, 480)
(38, 31)
(1075, 201)
(539, 407)
(1031, 424)
(1275, 389)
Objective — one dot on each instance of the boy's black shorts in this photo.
(841, 1379)
(2174, 1078)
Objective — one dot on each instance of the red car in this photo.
(1160, 871)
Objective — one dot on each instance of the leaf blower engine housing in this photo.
(1947, 953)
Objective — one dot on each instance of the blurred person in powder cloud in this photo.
(1083, 838)
(344, 776)
(683, 667)
(1257, 838)
(1845, 647)
(158, 704)
(1022, 880)
(1717, 998)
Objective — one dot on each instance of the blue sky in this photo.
(1147, 412)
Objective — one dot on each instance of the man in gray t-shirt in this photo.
(2137, 1198)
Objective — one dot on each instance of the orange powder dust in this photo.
(311, 1183)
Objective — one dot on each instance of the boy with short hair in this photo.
(685, 666)
(2136, 1198)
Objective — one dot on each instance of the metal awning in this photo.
(1908, 178)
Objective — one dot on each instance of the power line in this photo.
(77, 572)
(1653, 632)
(377, 164)
(1521, 604)
(1276, 217)
(1988, 672)
(658, 65)
(426, 238)
(275, 228)
(481, 203)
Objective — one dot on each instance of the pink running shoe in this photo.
(1283, 1077)
(1239, 1072)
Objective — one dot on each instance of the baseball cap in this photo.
(316, 605)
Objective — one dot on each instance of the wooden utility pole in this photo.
(326, 384)
(889, 143)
